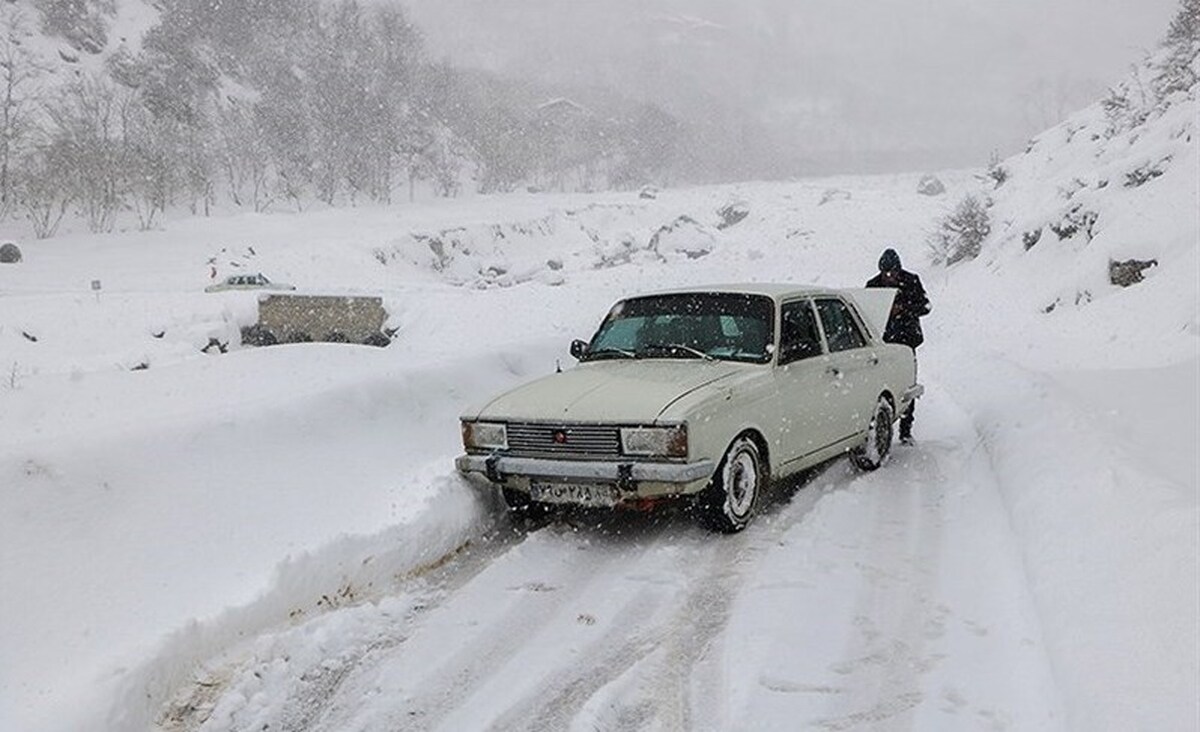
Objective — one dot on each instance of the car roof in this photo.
(774, 290)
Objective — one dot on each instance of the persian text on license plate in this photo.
(582, 494)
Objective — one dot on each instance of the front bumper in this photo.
(626, 474)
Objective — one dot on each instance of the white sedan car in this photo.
(248, 282)
(706, 393)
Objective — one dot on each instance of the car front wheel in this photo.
(728, 502)
(878, 443)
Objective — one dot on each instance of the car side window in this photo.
(841, 329)
(799, 337)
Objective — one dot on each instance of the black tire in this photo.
(520, 504)
(300, 337)
(728, 503)
(379, 340)
(878, 443)
(256, 335)
(336, 337)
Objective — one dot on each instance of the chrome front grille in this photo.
(534, 440)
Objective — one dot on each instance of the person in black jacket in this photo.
(904, 323)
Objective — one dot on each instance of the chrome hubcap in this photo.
(742, 481)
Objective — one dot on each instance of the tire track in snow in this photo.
(932, 555)
(664, 651)
(673, 678)
(667, 587)
(444, 692)
(315, 686)
(618, 651)
(311, 708)
(894, 616)
(486, 622)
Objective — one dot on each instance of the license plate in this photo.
(580, 494)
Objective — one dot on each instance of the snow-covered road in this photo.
(891, 600)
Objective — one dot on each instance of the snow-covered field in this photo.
(275, 538)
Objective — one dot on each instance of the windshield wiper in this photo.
(602, 352)
(678, 347)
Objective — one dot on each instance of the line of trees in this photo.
(270, 103)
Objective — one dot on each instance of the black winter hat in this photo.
(889, 261)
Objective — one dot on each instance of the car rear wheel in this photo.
(728, 503)
(878, 443)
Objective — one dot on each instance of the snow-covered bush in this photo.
(930, 185)
(996, 170)
(10, 253)
(834, 194)
(1177, 71)
(959, 234)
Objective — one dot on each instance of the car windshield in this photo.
(724, 326)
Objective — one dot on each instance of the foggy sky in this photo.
(846, 85)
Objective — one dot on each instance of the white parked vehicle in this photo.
(255, 281)
(708, 393)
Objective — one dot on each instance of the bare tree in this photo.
(19, 75)
(43, 189)
(90, 118)
(198, 166)
(152, 149)
(243, 156)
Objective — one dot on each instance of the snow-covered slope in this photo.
(211, 516)
(1099, 189)
(276, 537)
(67, 50)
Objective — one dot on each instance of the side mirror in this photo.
(578, 349)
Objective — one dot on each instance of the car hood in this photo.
(609, 391)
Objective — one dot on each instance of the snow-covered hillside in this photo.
(1103, 194)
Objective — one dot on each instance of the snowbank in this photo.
(1108, 532)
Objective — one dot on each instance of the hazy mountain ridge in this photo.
(120, 111)
(819, 87)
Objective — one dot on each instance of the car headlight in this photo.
(485, 435)
(655, 441)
